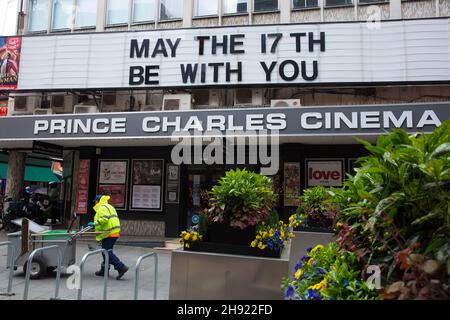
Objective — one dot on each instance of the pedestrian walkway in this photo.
(43, 289)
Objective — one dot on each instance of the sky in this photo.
(8, 16)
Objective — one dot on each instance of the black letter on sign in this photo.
(201, 45)
(234, 43)
(298, 40)
(223, 44)
(173, 47)
(149, 74)
(283, 73)
(315, 71)
(136, 73)
(321, 41)
(230, 71)
(268, 70)
(160, 48)
(188, 73)
(216, 67)
(134, 48)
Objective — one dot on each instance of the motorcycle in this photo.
(35, 207)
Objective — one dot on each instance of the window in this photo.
(301, 4)
(234, 6)
(62, 14)
(330, 3)
(171, 9)
(206, 8)
(117, 12)
(86, 15)
(143, 11)
(265, 5)
(38, 15)
(371, 1)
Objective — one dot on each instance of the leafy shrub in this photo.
(241, 198)
(396, 208)
(315, 210)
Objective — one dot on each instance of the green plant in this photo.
(397, 206)
(326, 273)
(241, 198)
(315, 209)
(272, 236)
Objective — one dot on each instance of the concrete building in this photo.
(110, 81)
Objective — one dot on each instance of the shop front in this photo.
(158, 175)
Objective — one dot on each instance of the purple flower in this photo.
(312, 295)
(309, 250)
(298, 266)
(290, 292)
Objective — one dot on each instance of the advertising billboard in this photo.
(9, 62)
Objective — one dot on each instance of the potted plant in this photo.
(241, 211)
(313, 221)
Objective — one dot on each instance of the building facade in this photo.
(124, 85)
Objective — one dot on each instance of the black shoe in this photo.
(100, 273)
(122, 272)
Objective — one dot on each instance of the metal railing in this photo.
(106, 271)
(28, 272)
(13, 249)
(137, 272)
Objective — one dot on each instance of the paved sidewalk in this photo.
(123, 289)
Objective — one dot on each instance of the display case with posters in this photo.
(113, 180)
(147, 184)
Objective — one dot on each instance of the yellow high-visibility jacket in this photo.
(106, 219)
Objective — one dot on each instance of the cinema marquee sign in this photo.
(305, 121)
(331, 53)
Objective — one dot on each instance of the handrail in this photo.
(29, 262)
(106, 270)
(137, 272)
(13, 249)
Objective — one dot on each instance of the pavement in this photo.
(44, 289)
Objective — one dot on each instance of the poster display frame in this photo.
(115, 184)
(168, 165)
(308, 160)
(299, 186)
(162, 185)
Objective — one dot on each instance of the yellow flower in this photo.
(291, 235)
(322, 285)
(180, 241)
(339, 224)
(318, 247)
(194, 237)
(186, 237)
(187, 245)
(253, 244)
(310, 262)
(298, 274)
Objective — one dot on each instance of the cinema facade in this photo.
(123, 104)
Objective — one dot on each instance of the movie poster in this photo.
(147, 180)
(113, 172)
(3, 108)
(9, 62)
(117, 194)
(291, 184)
(324, 173)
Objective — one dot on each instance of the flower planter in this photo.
(304, 240)
(223, 233)
(226, 248)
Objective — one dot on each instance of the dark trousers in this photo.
(108, 244)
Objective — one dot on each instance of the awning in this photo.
(32, 173)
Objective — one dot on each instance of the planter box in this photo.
(226, 248)
(213, 276)
(304, 240)
(223, 233)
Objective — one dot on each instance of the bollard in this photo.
(105, 277)
(137, 272)
(28, 272)
(13, 249)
